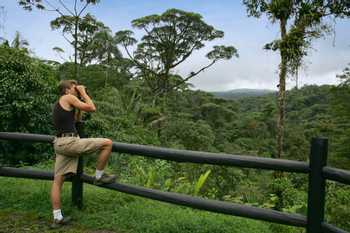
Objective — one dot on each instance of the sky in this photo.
(255, 68)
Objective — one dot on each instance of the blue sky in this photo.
(255, 68)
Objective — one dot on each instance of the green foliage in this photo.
(286, 197)
(194, 120)
(337, 205)
(192, 135)
(26, 94)
(28, 5)
(216, 115)
(132, 107)
(129, 110)
(341, 94)
(340, 112)
(114, 75)
(201, 181)
(240, 93)
(104, 47)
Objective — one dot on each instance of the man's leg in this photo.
(102, 160)
(105, 152)
(58, 219)
(56, 196)
(91, 145)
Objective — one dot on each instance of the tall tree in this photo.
(170, 38)
(105, 46)
(88, 26)
(299, 21)
(73, 13)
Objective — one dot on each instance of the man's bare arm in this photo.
(86, 97)
(87, 106)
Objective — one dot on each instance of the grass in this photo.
(25, 207)
(18, 221)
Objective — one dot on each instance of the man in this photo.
(68, 146)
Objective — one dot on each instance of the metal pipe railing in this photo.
(317, 170)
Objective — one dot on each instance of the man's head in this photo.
(67, 87)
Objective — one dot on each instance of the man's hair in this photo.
(66, 84)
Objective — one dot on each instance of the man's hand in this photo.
(81, 89)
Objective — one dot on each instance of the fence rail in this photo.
(25, 173)
(175, 198)
(328, 228)
(185, 155)
(336, 174)
(317, 170)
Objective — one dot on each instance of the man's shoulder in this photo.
(68, 97)
(68, 100)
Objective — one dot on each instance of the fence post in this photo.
(77, 183)
(316, 192)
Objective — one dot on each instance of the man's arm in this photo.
(86, 106)
(86, 98)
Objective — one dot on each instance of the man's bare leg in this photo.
(104, 154)
(56, 195)
(56, 192)
(102, 160)
(58, 219)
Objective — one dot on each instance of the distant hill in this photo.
(239, 93)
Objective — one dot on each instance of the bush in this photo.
(26, 94)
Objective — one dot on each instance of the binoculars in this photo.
(78, 90)
(79, 96)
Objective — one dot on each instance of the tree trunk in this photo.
(76, 49)
(281, 93)
(280, 111)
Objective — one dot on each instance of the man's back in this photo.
(63, 120)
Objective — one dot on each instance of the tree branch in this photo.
(65, 7)
(75, 7)
(83, 9)
(54, 8)
(149, 33)
(183, 58)
(64, 36)
(137, 63)
(192, 75)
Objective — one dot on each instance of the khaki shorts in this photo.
(68, 150)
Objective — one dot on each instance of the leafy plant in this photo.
(200, 183)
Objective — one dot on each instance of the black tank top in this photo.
(63, 120)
